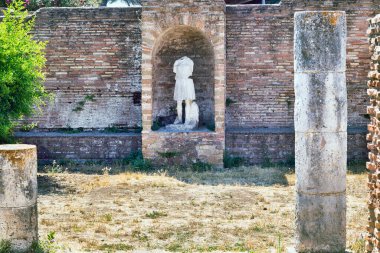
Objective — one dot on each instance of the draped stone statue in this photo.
(184, 91)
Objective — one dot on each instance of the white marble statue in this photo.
(184, 91)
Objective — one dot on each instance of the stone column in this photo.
(320, 118)
(18, 195)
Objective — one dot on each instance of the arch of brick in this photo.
(186, 28)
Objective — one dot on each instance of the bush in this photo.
(22, 61)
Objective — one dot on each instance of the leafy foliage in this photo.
(21, 68)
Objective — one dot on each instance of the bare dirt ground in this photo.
(249, 209)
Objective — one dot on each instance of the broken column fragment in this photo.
(18, 196)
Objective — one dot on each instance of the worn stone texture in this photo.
(186, 147)
(325, 97)
(18, 176)
(320, 159)
(325, 229)
(19, 226)
(321, 143)
(373, 165)
(316, 52)
(18, 195)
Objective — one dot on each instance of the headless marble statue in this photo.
(184, 91)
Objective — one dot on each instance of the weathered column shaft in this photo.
(320, 118)
(18, 195)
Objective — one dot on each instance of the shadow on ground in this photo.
(245, 175)
(52, 185)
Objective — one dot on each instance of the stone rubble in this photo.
(373, 138)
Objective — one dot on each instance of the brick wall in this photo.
(260, 61)
(94, 58)
(93, 146)
(93, 66)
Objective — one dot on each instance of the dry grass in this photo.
(247, 209)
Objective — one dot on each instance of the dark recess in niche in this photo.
(137, 98)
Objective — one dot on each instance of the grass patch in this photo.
(107, 217)
(201, 166)
(156, 214)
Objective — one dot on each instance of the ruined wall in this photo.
(94, 58)
(93, 67)
(373, 139)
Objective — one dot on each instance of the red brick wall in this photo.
(97, 52)
(260, 61)
(94, 52)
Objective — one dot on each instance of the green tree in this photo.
(22, 61)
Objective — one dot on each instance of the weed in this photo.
(89, 98)
(28, 127)
(356, 167)
(5, 246)
(69, 130)
(136, 162)
(174, 247)
(45, 246)
(267, 162)
(106, 170)
(80, 105)
(201, 166)
(107, 217)
(230, 161)
(358, 246)
(54, 168)
(169, 154)
(155, 214)
(279, 246)
(140, 236)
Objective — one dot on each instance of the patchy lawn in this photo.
(244, 209)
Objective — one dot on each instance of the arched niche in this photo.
(175, 43)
